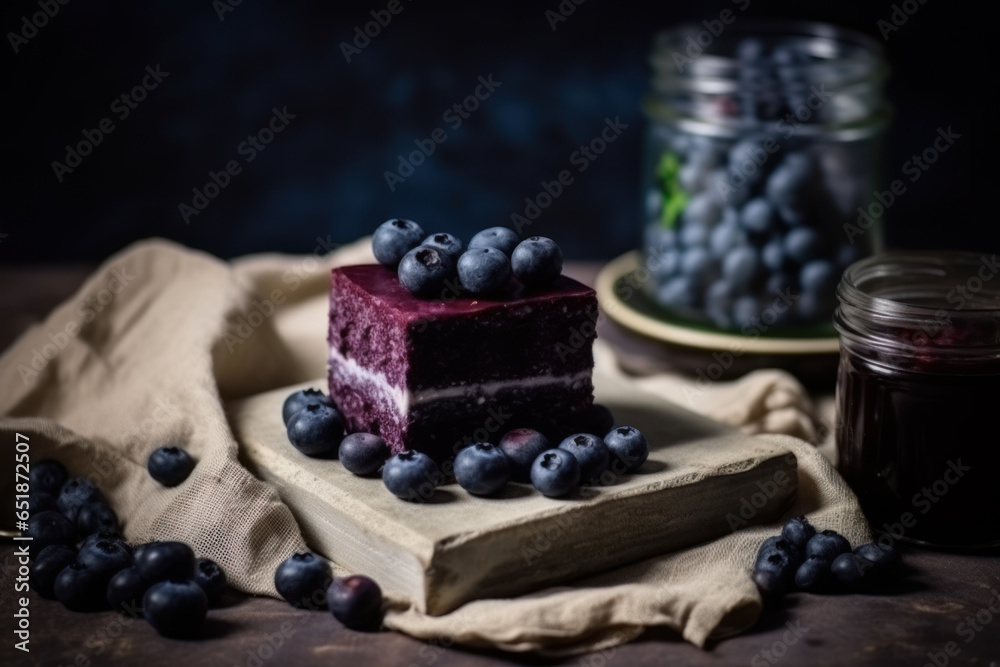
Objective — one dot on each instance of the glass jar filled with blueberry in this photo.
(762, 156)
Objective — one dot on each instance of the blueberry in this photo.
(47, 476)
(654, 204)
(424, 270)
(781, 563)
(302, 579)
(697, 264)
(125, 590)
(798, 531)
(484, 270)
(482, 469)
(818, 276)
(410, 475)
(802, 244)
(591, 452)
(316, 430)
(849, 569)
(666, 264)
(791, 555)
(522, 446)
(113, 535)
(170, 465)
(139, 550)
(694, 235)
(772, 585)
(600, 420)
(719, 302)
(660, 239)
(537, 261)
(747, 158)
(740, 265)
(446, 243)
(47, 528)
(693, 175)
(176, 608)
(813, 574)
(301, 399)
(39, 501)
(828, 545)
(725, 237)
(165, 560)
(47, 565)
(745, 310)
(95, 517)
(75, 493)
(787, 185)
(555, 473)
(80, 588)
(210, 577)
(393, 239)
(679, 292)
(704, 210)
(881, 556)
(773, 254)
(501, 238)
(363, 453)
(757, 216)
(628, 447)
(356, 601)
(105, 557)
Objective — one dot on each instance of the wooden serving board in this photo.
(458, 547)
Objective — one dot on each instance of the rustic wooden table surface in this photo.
(943, 605)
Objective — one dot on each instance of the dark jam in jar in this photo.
(918, 395)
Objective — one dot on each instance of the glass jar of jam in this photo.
(763, 154)
(918, 395)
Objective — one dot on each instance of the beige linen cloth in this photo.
(148, 350)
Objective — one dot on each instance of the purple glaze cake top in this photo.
(383, 284)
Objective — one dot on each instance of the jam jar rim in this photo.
(863, 318)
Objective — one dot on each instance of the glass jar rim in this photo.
(844, 73)
(866, 284)
(715, 70)
(900, 303)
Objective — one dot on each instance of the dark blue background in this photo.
(324, 174)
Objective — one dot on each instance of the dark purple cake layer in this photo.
(422, 343)
(426, 374)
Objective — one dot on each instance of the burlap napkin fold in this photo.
(148, 350)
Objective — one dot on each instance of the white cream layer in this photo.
(406, 399)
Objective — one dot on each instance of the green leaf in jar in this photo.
(675, 199)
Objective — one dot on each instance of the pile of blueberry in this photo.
(306, 581)
(80, 558)
(426, 264)
(817, 562)
(736, 223)
(316, 428)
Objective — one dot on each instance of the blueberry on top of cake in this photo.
(434, 373)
